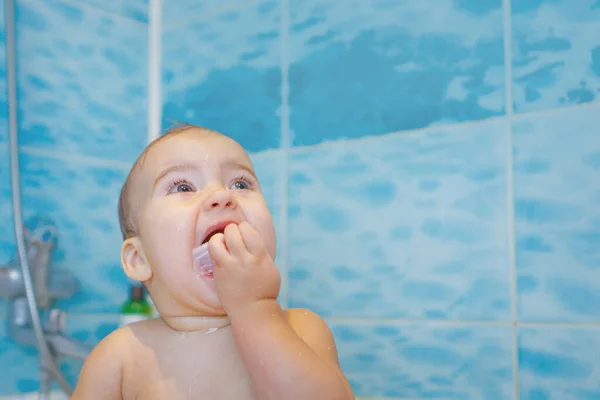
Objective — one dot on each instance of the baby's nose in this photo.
(219, 199)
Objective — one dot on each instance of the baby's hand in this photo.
(245, 271)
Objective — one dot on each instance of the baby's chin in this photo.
(206, 295)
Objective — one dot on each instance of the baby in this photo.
(221, 334)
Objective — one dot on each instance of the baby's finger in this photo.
(234, 241)
(218, 250)
(252, 239)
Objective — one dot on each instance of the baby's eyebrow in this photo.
(174, 168)
(237, 164)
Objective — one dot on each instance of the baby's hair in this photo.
(127, 222)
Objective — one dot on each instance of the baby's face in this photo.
(187, 184)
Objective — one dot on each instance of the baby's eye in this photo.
(181, 187)
(240, 185)
(184, 187)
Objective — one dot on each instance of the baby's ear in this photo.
(134, 261)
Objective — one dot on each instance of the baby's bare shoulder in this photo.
(112, 349)
(101, 374)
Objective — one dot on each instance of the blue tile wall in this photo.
(556, 53)
(173, 12)
(267, 167)
(559, 363)
(557, 215)
(82, 90)
(365, 68)
(3, 83)
(133, 9)
(7, 252)
(23, 375)
(82, 80)
(410, 226)
(223, 72)
(82, 201)
(6, 213)
(420, 362)
(6, 234)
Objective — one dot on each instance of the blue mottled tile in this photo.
(82, 80)
(82, 202)
(362, 68)
(23, 374)
(89, 329)
(410, 361)
(6, 213)
(559, 363)
(223, 73)
(3, 83)
(19, 365)
(555, 53)
(402, 226)
(174, 11)
(557, 218)
(268, 167)
(133, 9)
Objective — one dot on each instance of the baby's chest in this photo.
(197, 372)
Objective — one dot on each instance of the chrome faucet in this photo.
(49, 284)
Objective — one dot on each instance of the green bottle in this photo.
(136, 308)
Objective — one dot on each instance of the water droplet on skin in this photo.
(306, 313)
(262, 362)
(329, 348)
(300, 354)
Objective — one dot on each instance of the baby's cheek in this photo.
(173, 234)
(180, 226)
(265, 227)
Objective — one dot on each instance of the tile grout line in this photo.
(433, 128)
(285, 145)
(462, 323)
(425, 322)
(75, 158)
(549, 324)
(84, 159)
(509, 109)
(154, 69)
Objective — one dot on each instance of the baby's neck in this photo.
(197, 323)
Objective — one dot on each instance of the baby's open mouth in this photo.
(203, 264)
(213, 233)
(219, 227)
